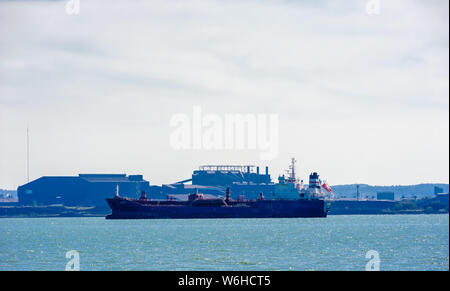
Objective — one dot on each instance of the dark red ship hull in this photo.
(123, 208)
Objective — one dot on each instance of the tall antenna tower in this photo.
(28, 155)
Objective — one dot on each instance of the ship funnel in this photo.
(314, 180)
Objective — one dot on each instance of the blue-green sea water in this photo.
(403, 242)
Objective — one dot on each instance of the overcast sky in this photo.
(361, 98)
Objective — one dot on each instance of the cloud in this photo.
(99, 88)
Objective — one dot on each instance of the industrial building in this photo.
(228, 175)
(215, 179)
(438, 190)
(385, 196)
(81, 190)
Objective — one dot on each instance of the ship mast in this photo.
(292, 168)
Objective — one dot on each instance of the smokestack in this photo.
(267, 170)
(257, 170)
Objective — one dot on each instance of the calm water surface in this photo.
(404, 242)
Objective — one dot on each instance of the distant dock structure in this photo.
(386, 196)
(81, 190)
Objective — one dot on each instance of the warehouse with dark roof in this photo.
(81, 190)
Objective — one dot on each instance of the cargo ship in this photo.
(290, 199)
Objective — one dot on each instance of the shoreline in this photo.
(338, 207)
(61, 212)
